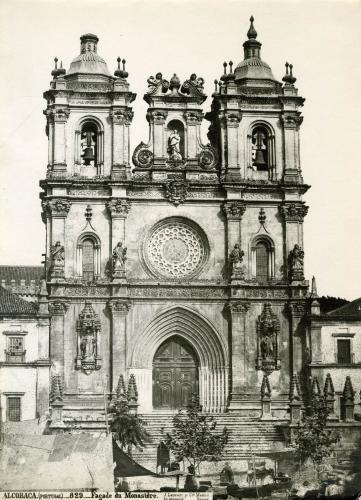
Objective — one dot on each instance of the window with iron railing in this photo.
(344, 351)
(15, 352)
(13, 409)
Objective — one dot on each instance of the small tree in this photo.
(127, 428)
(313, 440)
(193, 437)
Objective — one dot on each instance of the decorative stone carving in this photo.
(297, 309)
(295, 264)
(348, 399)
(294, 212)
(56, 389)
(157, 83)
(329, 394)
(122, 116)
(57, 258)
(193, 86)
(174, 155)
(266, 398)
(208, 157)
(234, 210)
(58, 308)
(88, 213)
(236, 259)
(315, 387)
(175, 250)
(118, 208)
(120, 307)
(238, 307)
(119, 257)
(192, 118)
(262, 217)
(176, 192)
(132, 394)
(88, 330)
(291, 120)
(60, 114)
(56, 207)
(157, 117)
(268, 328)
(295, 399)
(183, 292)
(233, 119)
(142, 156)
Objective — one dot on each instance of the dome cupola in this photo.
(252, 67)
(88, 61)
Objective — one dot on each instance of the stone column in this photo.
(233, 211)
(119, 310)
(56, 211)
(118, 210)
(238, 311)
(157, 134)
(296, 313)
(121, 119)
(232, 120)
(192, 132)
(57, 310)
(291, 124)
(60, 117)
(293, 215)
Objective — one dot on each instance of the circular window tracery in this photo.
(176, 249)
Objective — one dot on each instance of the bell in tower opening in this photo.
(260, 149)
(88, 144)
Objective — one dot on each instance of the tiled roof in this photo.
(18, 273)
(351, 309)
(12, 304)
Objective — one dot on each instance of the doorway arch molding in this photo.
(208, 344)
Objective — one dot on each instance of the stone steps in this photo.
(245, 433)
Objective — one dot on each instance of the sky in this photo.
(321, 39)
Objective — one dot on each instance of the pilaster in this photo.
(118, 211)
(234, 211)
(119, 310)
(240, 365)
(57, 310)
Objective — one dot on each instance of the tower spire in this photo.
(252, 47)
(252, 33)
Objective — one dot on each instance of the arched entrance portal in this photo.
(175, 374)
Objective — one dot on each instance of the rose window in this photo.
(175, 249)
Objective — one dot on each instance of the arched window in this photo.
(89, 144)
(263, 262)
(88, 257)
(261, 148)
(262, 271)
(89, 155)
(88, 267)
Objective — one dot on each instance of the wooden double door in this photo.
(175, 375)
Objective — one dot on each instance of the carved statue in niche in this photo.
(118, 260)
(268, 327)
(174, 146)
(295, 262)
(57, 256)
(236, 259)
(88, 329)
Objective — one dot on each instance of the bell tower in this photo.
(88, 116)
(255, 124)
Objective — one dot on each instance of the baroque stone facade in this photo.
(182, 269)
